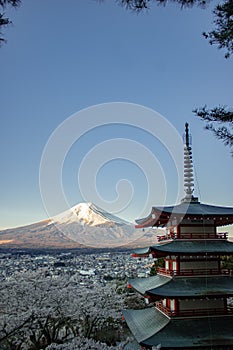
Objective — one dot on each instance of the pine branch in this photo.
(217, 114)
(222, 36)
(4, 21)
(219, 120)
(13, 3)
(142, 5)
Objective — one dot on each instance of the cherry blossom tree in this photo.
(38, 309)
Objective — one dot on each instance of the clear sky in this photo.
(65, 56)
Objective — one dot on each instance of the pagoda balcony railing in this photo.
(192, 235)
(192, 312)
(193, 272)
(204, 235)
(166, 237)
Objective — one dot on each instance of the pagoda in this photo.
(188, 297)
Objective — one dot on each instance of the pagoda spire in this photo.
(188, 167)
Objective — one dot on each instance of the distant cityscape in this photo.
(88, 268)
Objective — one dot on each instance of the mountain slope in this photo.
(84, 225)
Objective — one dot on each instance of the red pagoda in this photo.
(188, 298)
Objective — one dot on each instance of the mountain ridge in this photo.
(83, 225)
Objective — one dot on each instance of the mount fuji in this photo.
(84, 225)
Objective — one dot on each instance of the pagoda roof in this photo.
(188, 247)
(151, 328)
(186, 287)
(198, 287)
(145, 323)
(142, 285)
(160, 216)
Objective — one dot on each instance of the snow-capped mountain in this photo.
(84, 225)
(86, 214)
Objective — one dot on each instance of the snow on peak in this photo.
(85, 214)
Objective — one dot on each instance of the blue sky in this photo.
(64, 56)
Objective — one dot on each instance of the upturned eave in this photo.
(160, 216)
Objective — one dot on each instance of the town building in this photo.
(188, 299)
